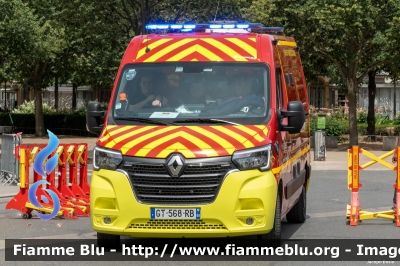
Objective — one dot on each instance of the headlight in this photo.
(258, 158)
(106, 159)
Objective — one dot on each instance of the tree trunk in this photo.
(39, 123)
(352, 88)
(6, 107)
(56, 93)
(371, 103)
(74, 92)
(25, 93)
(100, 93)
(143, 13)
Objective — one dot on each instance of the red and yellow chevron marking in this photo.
(197, 49)
(191, 141)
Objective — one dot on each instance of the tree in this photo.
(38, 52)
(355, 36)
(96, 43)
(371, 102)
(15, 28)
(133, 15)
(393, 68)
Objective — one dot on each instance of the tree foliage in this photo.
(355, 36)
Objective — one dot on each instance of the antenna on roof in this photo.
(147, 44)
(147, 40)
(216, 12)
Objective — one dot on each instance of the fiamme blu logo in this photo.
(50, 165)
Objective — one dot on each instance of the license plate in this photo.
(168, 213)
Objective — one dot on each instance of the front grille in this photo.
(148, 169)
(177, 224)
(199, 182)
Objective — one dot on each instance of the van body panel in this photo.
(197, 47)
(191, 141)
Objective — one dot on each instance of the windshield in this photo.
(193, 93)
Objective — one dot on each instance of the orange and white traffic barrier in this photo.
(354, 213)
(72, 193)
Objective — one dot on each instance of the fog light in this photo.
(107, 220)
(249, 221)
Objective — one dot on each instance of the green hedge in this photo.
(384, 130)
(336, 127)
(62, 124)
(333, 127)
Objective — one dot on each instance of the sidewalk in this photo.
(336, 159)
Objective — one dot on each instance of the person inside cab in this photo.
(245, 85)
(197, 92)
(218, 87)
(145, 95)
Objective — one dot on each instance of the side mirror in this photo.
(296, 117)
(94, 118)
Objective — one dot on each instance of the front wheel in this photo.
(108, 241)
(273, 238)
(298, 213)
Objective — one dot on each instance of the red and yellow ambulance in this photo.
(206, 135)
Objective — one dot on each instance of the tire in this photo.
(273, 238)
(298, 213)
(108, 241)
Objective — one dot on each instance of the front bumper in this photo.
(242, 195)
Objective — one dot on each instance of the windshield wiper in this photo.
(145, 120)
(207, 121)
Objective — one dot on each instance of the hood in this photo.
(190, 141)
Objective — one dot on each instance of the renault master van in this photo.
(206, 135)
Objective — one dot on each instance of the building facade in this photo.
(326, 95)
(11, 96)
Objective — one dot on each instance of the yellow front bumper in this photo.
(242, 195)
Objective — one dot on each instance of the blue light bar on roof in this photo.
(272, 29)
(254, 27)
(189, 26)
(176, 27)
(229, 26)
(151, 27)
(194, 26)
(215, 26)
(162, 27)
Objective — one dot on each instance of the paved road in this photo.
(327, 199)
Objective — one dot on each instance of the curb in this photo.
(7, 196)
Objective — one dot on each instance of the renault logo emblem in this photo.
(175, 165)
